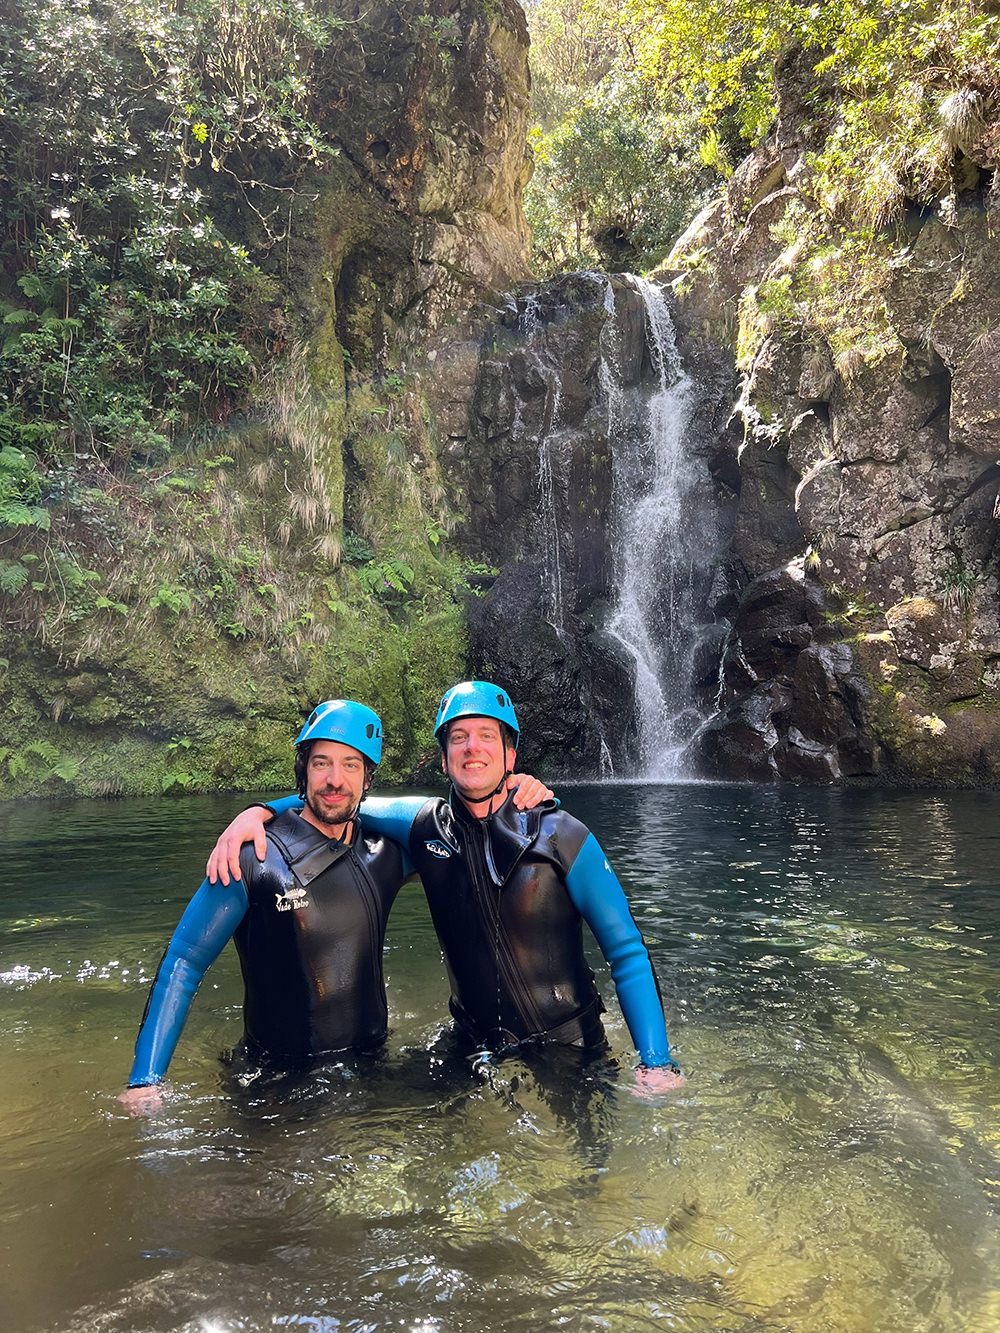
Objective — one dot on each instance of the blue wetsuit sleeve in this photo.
(600, 900)
(202, 932)
(284, 803)
(392, 817)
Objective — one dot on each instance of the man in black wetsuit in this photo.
(308, 920)
(508, 892)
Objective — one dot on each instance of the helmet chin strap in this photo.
(501, 785)
(348, 828)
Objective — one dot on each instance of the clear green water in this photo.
(830, 963)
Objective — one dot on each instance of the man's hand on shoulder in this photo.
(528, 791)
(144, 1100)
(248, 826)
(653, 1081)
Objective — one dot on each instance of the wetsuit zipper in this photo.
(488, 902)
(369, 896)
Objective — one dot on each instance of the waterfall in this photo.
(661, 546)
(624, 529)
(552, 553)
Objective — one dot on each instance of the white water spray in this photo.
(658, 547)
(662, 537)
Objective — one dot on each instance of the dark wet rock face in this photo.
(538, 381)
(536, 479)
(555, 460)
(789, 701)
(860, 607)
(571, 692)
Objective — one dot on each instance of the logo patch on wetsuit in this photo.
(291, 900)
(437, 848)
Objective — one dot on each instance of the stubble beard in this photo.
(312, 801)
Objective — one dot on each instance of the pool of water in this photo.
(830, 967)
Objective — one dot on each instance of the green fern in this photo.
(13, 577)
(391, 575)
(19, 761)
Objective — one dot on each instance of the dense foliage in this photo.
(632, 98)
(209, 514)
(140, 142)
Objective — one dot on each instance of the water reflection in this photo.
(829, 960)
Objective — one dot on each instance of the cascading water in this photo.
(550, 518)
(663, 543)
(587, 381)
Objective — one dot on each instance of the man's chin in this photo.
(473, 793)
(331, 817)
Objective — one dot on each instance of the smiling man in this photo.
(509, 891)
(308, 919)
(308, 916)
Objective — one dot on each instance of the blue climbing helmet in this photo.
(476, 698)
(346, 721)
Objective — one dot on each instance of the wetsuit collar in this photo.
(508, 833)
(304, 848)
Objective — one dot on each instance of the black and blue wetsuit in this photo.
(309, 926)
(508, 896)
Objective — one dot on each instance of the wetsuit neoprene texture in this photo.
(309, 926)
(508, 896)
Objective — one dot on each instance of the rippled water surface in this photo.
(830, 966)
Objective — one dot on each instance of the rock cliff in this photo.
(421, 215)
(865, 643)
(182, 613)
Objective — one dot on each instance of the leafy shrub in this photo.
(20, 489)
(134, 309)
